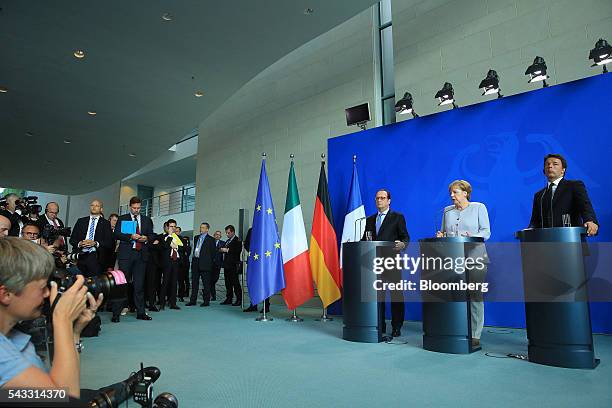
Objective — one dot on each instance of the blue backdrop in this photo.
(498, 146)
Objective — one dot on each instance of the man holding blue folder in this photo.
(134, 231)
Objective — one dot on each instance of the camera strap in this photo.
(57, 298)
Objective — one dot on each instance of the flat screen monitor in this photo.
(357, 114)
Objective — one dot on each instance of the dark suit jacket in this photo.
(125, 246)
(42, 221)
(207, 253)
(232, 258)
(570, 198)
(103, 236)
(218, 258)
(165, 252)
(393, 228)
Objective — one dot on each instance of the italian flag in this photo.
(296, 262)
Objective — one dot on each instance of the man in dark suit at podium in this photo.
(562, 197)
(387, 225)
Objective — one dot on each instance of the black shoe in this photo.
(237, 303)
(226, 302)
(115, 319)
(181, 299)
(396, 333)
(153, 309)
(190, 304)
(144, 317)
(252, 308)
(204, 304)
(175, 307)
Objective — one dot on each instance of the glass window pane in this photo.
(385, 12)
(388, 111)
(386, 46)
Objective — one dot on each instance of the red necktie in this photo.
(60, 238)
(138, 243)
(174, 255)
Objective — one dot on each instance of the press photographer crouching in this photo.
(24, 285)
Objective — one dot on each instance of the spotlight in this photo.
(601, 54)
(80, 54)
(404, 105)
(490, 85)
(446, 95)
(3, 89)
(537, 71)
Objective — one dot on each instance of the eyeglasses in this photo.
(30, 234)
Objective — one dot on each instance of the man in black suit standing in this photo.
(133, 256)
(217, 264)
(204, 251)
(562, 197)
(231, 267)
(183, 276)
(172, 255)
(93, 237)
(387, 225)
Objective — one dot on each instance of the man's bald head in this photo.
(95, 207)
(5, 226)
(52, 209)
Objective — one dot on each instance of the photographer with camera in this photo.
(92, 238)
(24, 272)
(52, 228)
(10, 212)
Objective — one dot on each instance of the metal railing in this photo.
(175, 202)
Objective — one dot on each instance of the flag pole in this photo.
(324, 317)
(295, 317)
(264, 318)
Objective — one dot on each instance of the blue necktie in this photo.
(199, 246)
(90, 234)
(378, 222)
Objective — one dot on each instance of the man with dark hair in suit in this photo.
(562, 197)
(183, 276)
(171, 257)
(204, 251)
(133, 256)
(387, 225)
(217, 264)
(93, 237)
(231, 265)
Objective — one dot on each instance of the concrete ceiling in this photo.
(139, 74)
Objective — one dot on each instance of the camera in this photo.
(139, 385)
(28, 205)
(111, 284)
(50, 234)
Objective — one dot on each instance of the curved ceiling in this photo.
(139, 74)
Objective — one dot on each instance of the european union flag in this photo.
(265, 275)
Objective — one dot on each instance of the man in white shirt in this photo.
(92, 238)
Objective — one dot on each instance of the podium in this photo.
(360, 298)
(556, 299)
(447, 326)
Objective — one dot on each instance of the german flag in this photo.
(324, 258)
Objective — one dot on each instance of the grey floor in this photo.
(221, 357)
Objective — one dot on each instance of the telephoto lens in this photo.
(165, 400)
(112, 284)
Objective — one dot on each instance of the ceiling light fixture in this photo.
(199, 94)
(67, 141)
(29, 134)
(3, 89)
(446, 95)
(308, 11)
(601, 54)
(490, 85)
(132, 154)
(404, 105)
(92, 113)
(167, 17)
(80, 54)
(537, 71)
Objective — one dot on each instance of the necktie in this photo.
(378, 222)
(199, 246)
(138, 246)
(90, 233)
(174, 254)
(56, 225)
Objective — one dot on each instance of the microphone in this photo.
(444, 211)
(360, 221)
(541, 206)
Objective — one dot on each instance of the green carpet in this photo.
(221, 357)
